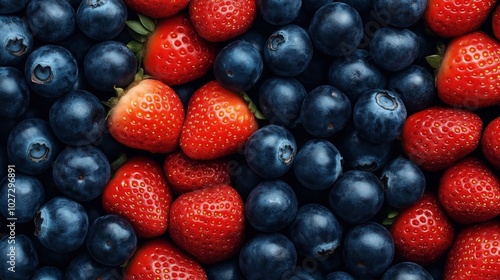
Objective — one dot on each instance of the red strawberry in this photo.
(490, 142)
(208, 223)
(221, 20)
(436, 137)
(422, 233)
(468, 73)
(495, 22)
(157, 9)
(470, 192)
(185, 174)
(139, 192)
(218, 123)
(147, 115)
(451, 18)
(475, 254)
(160, 259)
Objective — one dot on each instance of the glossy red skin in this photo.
(436, 137)
(175, 54)
(157, 8)
(468, 75)
(452, 18)
(495, 22)
(490, 142)
(139, 192)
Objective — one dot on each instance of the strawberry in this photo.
(452, 18)
(221, 20)
(185, 174)
(475, 253)
(490, 142)
(139, 192)
(469, 191)
(422, 233)
(218, 122)
(495, 22)
(436, 137)
(160, 259)
(208, 223)
(467, 75)
(157, 9)
(147, 115)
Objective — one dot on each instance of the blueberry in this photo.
(51, 20)
(78, 118)
(83, 267)
(316, 232)
(254, 37)
(318, 164)
(306, 274)
(357, 196)
(26, 192)
(270, 151)
(289, 41)
(108, 64)
(78, 44)
(243, 178)
(394, 49)
(355, 74)
(279, 12)
(271, 206)
(19, 259)
(280, 100)
(368, 250)
(268, 256)
(415, 85)
(61, 224)
(362, 6)
(51, 71)
(32, 146)
(8, 7)
(336, 29)
(225, 270)
(14, 93)
(238, 66)
(400, 13)
(406, 270)
(404, 182)
(16, 40)
(48, 273)
(379, 115)
(339, 275)
(101, 19)
(81, 173)
(325, 111)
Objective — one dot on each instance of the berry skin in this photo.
(495, 22)
(157, 9)
(490, 142)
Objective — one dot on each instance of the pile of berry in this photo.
(249, 139)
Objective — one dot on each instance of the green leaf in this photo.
(434, 60)
(147, 22)
(137, 27)
(253, 107)
(135, 46)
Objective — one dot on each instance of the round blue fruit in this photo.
(225, 270)
(48, 273)
(394, 49)
(279, 12)
(51, 21)
(83, 266)
(339, 275)
(406, 270)
(19, 259)
(23, 191)
(14, 93)
(400, 13)
(101, 19)
(16, 40)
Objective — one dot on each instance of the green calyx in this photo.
(435, 60)
(390, 218)
(139, 30)
(252, 106)
(139, 76)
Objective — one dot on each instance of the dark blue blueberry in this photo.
(271, 206)
(51, 71)
(406, 270)
(101, 19)
(19, 258)
(379, 115)
(254, 37)
(78, 118)
(48, 273)
(111, 240)
(78, 44)
(84, 267)
(317, 164)
(355, 74)
(305, 274)
(368, 250)
(51, 20)
(14, 93)
(315, 232)
(400, 13)
(32, 146)
(339, 275)
(61, 224)
(415, 85)
(34, 110)
(394, 49)
(362, 6)
(270, 151)
(225, 270)
(336, 29)
(81, 173)
(285, 43)
(108, 64)
(21, 196)
(279, 12)
(16, 40)
(238, 66)
(325, 111)
(268, 256)
(243, 178)
(404, 182)
(8, 7)
(357, 196)
(280, 100)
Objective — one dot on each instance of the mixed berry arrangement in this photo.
(249, 139)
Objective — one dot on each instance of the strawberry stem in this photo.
(253, 107)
